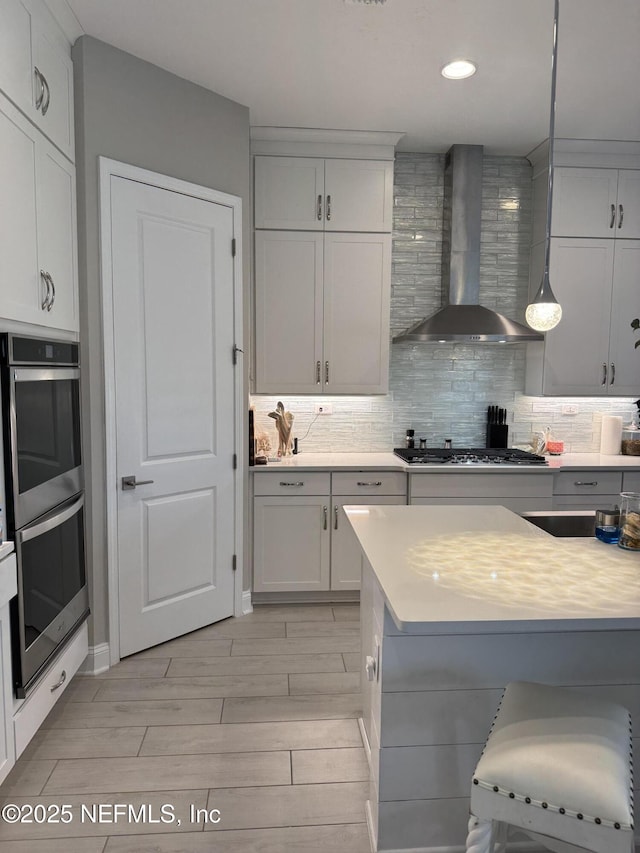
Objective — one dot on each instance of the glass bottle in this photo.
(629, 521)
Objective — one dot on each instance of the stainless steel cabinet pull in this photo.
(604, 374)
(284, 483)
(40, 82)
(319, 209)
(130, 482)
(372, 483)
(45, 105)
(53, 291)
(613, 373)
(620, 215)
(581, 483)
(326, 372)
(325, 513)
(328, 208)
(335, 517)
(63, 678)
(318, 368)
(370, 667)
(44, 276)
(613, 216)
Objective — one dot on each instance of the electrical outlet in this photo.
(324, 409)
(571, 409)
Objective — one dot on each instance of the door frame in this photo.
(112, 168)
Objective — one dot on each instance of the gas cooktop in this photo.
(468, 456)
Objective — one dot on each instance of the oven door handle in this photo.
(49, 522)
(35, 374)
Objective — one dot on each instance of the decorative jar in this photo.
(629, 521)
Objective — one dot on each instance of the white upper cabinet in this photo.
(322, 312)
(36, 71)
(38, 267)
(596, 203)
(591, 352)
(312, 194)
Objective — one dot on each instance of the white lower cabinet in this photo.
(587, 489)
(8, 588)
(302, 541)
(29, 715)
(520, 492)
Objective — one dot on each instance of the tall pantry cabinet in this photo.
(38, 256)
(594, 269)
(323, 208)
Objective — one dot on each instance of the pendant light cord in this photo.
(552, 129)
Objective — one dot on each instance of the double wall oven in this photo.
(44, 497)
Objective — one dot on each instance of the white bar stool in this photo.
(557, 765)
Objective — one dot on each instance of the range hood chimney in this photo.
(462, 319)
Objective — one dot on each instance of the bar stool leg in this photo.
(482, 835)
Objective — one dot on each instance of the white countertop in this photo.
(483, 569)
(390, 462)
(6, 548)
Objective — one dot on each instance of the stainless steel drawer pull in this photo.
(319, 214)
(318, 368)
(284, 483)
(328, 208)
(53, 291)
(326, 372)
(130, 482)
(613, 216)
(370, 667)
(581, 483)
(604, 374)
(372, 483)
(45, 304)
(325, 515)
(613, 373)
(335, 517)
(63, 678)
(45, 105)
(620, 215)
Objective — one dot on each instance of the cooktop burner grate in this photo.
(468, 456)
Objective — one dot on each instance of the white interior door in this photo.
(173, 313)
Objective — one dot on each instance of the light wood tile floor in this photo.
(255, 717)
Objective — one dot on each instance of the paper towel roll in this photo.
(611, 435)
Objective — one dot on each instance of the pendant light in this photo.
(545, 312)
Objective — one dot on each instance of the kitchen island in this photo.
(455, 603)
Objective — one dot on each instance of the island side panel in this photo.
(432, 703)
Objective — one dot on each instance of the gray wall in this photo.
(134, 112)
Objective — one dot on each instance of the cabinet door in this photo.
(16, 62)
(359, 195)
(7, 749)
(584, 202)
(346, 553)
(576, 352)
(20, 287)
(289, 193)
(291, 544)
(628, 213)
(288, 272)
(624, 358)
(357, 277)
(55, 117)
(56, 235)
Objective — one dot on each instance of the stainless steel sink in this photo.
(564, 523)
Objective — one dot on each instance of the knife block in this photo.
(497, 435)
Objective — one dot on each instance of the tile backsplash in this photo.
(443, 390)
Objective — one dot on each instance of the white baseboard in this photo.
(247, 607)
(98, 660)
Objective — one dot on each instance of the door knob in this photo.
(130, 482)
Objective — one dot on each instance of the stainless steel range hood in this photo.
(462, 319)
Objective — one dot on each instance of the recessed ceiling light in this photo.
(459, 69)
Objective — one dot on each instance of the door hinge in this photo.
(235, 461)
(234, 563)
(233, 247)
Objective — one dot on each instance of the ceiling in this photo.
(340, 64)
